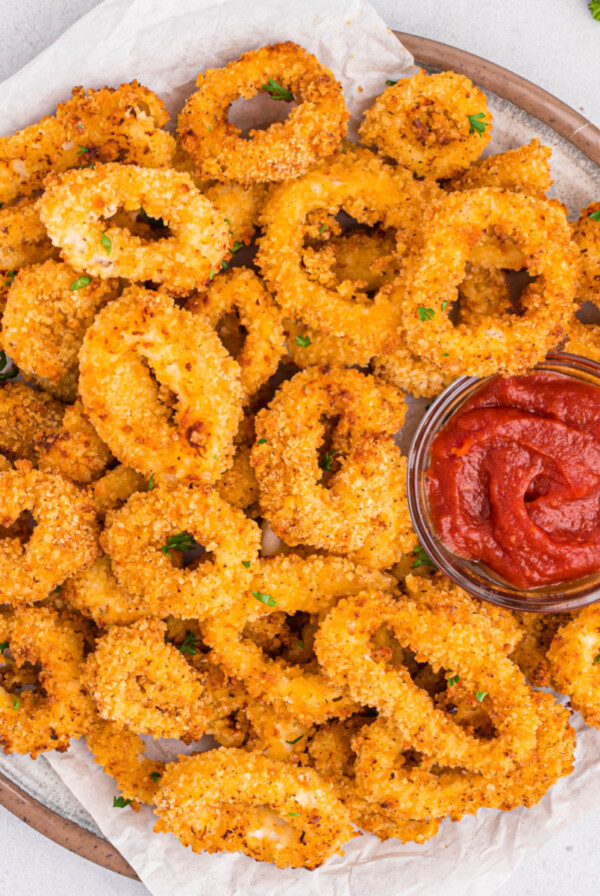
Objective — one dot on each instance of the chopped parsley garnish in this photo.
(594, 7)
(477, 123)
(16, 703)
(265, 598)
(300, 645)
(82, 149)
(294, 814)
(295, 741)
(422, 558)
(119, 802)
(595, 216)
(211, 274)
(425, 313)
(277, 92)
(236, 247)
(155, 776)
(106, 244)
(10, 374)
(304, 341)
(390, 83)
(189, 644)
(444, 305)
(479, 695)
(3, 647)
(246, 563)
(261, 441)
(597, 658)
(151, 482)
(322, 228)
(327, 459)
(57, 590)
(224, 265)
(80, 283)
(228, 222)
(454, 679)
(183, 541)
(10, 276)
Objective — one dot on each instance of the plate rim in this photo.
(536, 101)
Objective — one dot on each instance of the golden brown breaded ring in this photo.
(435, 124)
(373, 192)
(121, 754)
(362, 511)
(574, 658)
(28, 418)
(48, 310)
(113, 489)
(307, 347)
(312, 131)
(235, 801)
(64, 540)
(145, 569)
(24, 237)
(95, 592)
(142, 336)
(34, 721)
(483, 291)
(449, 637)
(123, 124)
(412, 374)
(242, 292)
(499, 343)
(530, 654)
(144, 684)
(76, 451)
(77, 207)
(525, 169)
(287, 585)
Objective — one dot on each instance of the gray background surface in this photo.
(554, 43)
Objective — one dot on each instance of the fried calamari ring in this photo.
(115, 487)
(483, 291)
(412, 374)
(313, 129)
(242, 292)
(64, 540)
(46, 719)
(525, 169)
(228, 799)
(24, 239)
(530, 654)
(96, 593)
(435, 124)
(362, 511)
(504, 343)
(371, 191)
(144, 684)
(48, 310)
(287, 585)
(121, 754)
(449, 637)
(574, 658)
(77, 207)
(76, 451)
(123, 124)
(145, 333)
(307, 347)
(145, 569)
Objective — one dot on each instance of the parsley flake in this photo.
(119, 802)
(155, 776)
(295, 741)
(236, 247)
(151, 482)
(454, 679)
(211, 274)
(422, 558)
(300, 645)
(294, 814)
(477, 123)
(10, 276)
(390, 83)
(595, 216)
(261, 441)
(479, 695)
(265, 598)
(597, 658)
(189, 644)
(80, 283)
(3, 647)
(106, 244)
(594, 7)
(183, 541)
(228, 222)
(425, 313)
(82, 149)
(277, 92)
(16, 703)
(246, 563)
(304, 341)
(327, 459)
(322, 228)
(444, 305)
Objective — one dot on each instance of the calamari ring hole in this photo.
(232, 333)
(140, 224)
(444, 686)
(184, 551)
(330, 458)
(288, 637)
(258, 113)
(19, 678)
(21, 529)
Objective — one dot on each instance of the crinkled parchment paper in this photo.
(164, 46)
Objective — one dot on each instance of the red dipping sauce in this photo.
(514, 479)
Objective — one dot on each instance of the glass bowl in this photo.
(477, 578)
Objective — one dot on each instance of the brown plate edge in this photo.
(524, 94)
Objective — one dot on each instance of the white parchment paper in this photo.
(164, 46)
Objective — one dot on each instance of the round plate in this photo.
(82, 837)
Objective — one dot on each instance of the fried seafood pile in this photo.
(187, 411)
